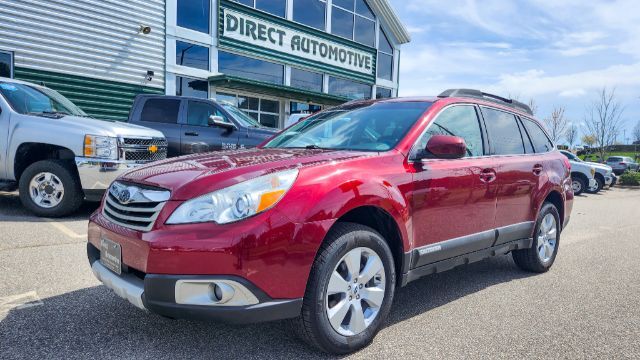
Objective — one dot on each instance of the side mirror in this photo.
(447, 147)
(218, 121)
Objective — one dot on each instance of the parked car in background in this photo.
(194, 125)
(58, 156)
(604, 175)
(620, 164)
(323, 222)
(582, 176)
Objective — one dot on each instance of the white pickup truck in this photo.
(58, 156)
(583, 175)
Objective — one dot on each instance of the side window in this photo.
(198, 113)
(161, 111)
(504, 133)
(459, 121)
(528, 144)
(540, 141)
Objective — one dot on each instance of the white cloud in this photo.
(572, 93)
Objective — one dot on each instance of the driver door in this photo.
(197, 136)
(454, 201)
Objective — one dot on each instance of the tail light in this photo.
(567, 164)
(622, 163)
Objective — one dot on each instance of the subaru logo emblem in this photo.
(124, 196)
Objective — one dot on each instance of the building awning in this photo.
(265, 88)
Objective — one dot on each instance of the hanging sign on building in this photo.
(258, 32)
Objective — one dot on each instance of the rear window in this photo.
(504, 133)
(540, 141)
(614, 158)
(161, 111)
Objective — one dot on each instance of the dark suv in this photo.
(194, 125)
(322, 223)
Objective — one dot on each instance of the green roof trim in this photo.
(265, 88)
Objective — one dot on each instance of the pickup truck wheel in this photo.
(599, 185)
(50, 188)
(579, 184)
(542, 253)
(349, 292)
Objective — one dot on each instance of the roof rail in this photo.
(477, 94)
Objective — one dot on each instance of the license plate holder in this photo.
(111, 255)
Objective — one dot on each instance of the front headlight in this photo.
(100, 147)
(236, 202)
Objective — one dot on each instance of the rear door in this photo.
(161, 114)
(453, 201)
(518, 174)
(197, 136)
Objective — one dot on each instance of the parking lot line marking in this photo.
(65, 230)
(21, 301)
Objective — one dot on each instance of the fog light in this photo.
(221, 292)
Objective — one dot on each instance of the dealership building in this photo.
(272, 58)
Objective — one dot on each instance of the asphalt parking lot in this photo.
(587, 306)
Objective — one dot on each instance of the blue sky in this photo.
(558, 53)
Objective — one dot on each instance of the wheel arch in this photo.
(385, 224)
(31, 152)
(555, 197)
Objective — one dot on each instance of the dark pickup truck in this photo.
(193, 125)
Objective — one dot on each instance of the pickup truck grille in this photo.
(133, 207)
(143, 150)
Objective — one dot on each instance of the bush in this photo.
(630, 178)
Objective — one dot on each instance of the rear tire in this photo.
(50, 188)
(541, 255)
(599, 186)
(322, 324)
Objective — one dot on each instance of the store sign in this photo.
(258, 32)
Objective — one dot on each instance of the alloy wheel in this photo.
(46, 190)
(547, 238)
(576, 185)
(355, 291)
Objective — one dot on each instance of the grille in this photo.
(138, 149)
(133, 207)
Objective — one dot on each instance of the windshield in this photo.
(365, 127)
(239, 115)
(26, 99)
(571, 156)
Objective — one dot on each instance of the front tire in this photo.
(544, 248)
(50, 188)
(349, 292)
(579, 184)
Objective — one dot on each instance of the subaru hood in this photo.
(208, 172)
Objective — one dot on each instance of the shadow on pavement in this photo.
(11, 209)
(95, 323)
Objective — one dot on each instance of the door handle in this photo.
(488, 175)
(537, 169)
(191, 133)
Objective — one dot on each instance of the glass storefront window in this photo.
(310, 12)
(365, 31)
(385, 57)
(194, 14)
(347, 88)
(254, 69)
(274, 7)
(300, 107)
(265, 111)
(6, 64)
(306, 80)
(383, 93)
(385, 66)
(342, 23)
(353, 20)
(192, 87)
(192, 55)
(363, 9)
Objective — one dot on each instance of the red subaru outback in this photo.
(321, 223)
